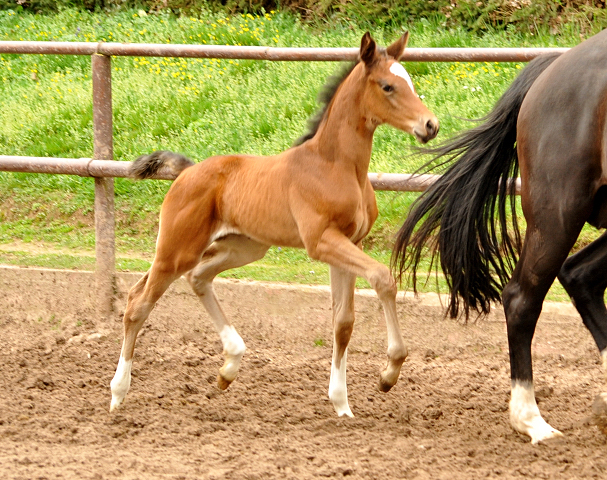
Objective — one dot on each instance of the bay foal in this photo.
(227, 211)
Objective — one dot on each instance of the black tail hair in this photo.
(147, 166)
(463, 215)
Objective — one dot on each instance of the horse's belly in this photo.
(598, 217)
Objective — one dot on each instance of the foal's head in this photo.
(389, 95)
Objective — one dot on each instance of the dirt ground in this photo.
(446, 418)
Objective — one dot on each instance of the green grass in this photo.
(200, 108)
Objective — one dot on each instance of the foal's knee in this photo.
(137, 289)
(383, 283)
(343, 332)
(137, 307)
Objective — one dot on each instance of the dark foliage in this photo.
(585, 15)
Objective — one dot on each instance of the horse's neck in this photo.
(346, 136)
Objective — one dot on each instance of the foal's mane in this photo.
(327, 92)
(325, 96)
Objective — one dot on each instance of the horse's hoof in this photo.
(599, 412)
(344, 412)
(553, 437)
(222, 383)
(384, 386)
(114, 404)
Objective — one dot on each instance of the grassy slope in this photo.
(200, 108)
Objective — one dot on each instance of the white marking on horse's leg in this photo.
(603, 394)
(233, 349)
(604, 359)
(338, 389)
(397, 350)
(525, 415)
(121, 382)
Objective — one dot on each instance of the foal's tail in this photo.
(147, 166)
(464, 215)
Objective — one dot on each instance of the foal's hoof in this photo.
(115, 403)
(599, 412)
(222, 383)
(556, 438)
(384, 386)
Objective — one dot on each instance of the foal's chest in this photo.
(358, 219)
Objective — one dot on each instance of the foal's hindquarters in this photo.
(227, 211)
(186, 246)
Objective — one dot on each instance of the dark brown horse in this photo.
(552, 125)
(227, 211)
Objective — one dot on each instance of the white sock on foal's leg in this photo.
(121, 382)
(525, 415)
(338, 389)
(233, 349)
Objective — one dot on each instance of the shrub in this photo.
(587, 16)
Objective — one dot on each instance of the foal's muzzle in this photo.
(430, 130)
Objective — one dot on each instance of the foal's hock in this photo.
(227, 211)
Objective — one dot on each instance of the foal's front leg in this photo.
(337, 250)
(342, 293)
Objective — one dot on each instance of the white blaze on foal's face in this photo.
(398, 70)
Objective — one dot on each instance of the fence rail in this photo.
(269, 53)
(104, 169)
(88, 167)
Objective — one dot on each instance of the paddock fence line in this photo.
(104, 169)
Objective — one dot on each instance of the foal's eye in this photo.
(387, 88)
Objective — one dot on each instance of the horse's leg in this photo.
(141, 300)
(583, 276)
(183, 236)
(228, 252)
(544, 251)
(334, 248)
(342, 293)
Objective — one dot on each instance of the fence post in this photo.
(104, 187)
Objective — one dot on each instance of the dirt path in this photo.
(445, 419)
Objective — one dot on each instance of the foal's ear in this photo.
(397, 48)
(367, 49)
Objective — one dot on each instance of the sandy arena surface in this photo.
(446, 418)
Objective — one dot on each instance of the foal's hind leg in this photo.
(228, 252)
(182, 238)
(342, 292)
(544, 251)
(141, 300)
(584, 277)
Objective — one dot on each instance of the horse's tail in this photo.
(464, 215)
(147, 166)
